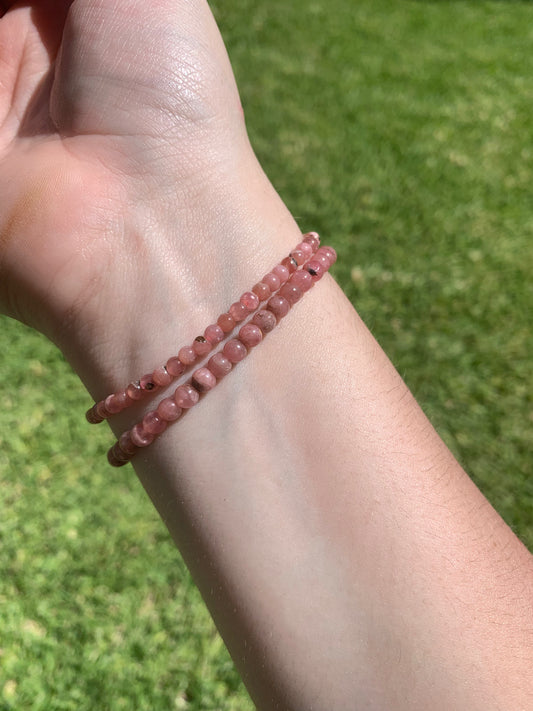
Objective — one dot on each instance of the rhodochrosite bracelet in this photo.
(281, 288)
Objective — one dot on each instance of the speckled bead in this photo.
(291, 292)
(250, 335)
(169, 410)
(226, 323)
(219, 365)
(279, 306)
(235, 350)
(265, 320)
(262, 291)
(203, 380)
(186, 396)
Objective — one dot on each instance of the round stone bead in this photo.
(201, 346)
(169, 410)
(203, 380)
(238, 311)
(175, 367)
(161, 376)
(186, 396)
(116, 457)
(265, 320)
(214, 334)
(93, 418)
(302, 279)
(101, 410)
(306, 248)
(299, 256)
(290, 263)
(262, 290)
(315, 269)
(134, 391)
(313, 239)
(235, 350)
(125, 443)
(279, 306)
(272, 281)
(323, 258)
(226, 323)
(187, 355)
(140, 437)
(291, 292)
(250, 335)
(116, 402)
(153, 424)
(281, 272)
(330, 252)
(250, 301)
(219, 365)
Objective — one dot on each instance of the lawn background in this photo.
(402, 132)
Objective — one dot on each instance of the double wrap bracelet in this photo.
(280, 288)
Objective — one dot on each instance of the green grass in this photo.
(400, 131)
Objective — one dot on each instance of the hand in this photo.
(122, 142)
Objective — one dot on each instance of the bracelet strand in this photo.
(170, 409)
(212, 336)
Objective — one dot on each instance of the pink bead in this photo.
(278, 305)
(226, 323)
(147, 382)
(186, 396)
(219, 365)
(116, 402)
(235, 350)
(117, 457)
(238, 311)
(281, 272)
(93, 417)
(299, 256)
(313, 239)
(330, 252)
(134, 391)
(315, 269)
(262, 291)
(306, 248)
(161, 376)
(250, 335)
(323, 258)
(175, 367)
(203, 380)
(153, 424)
(201, 346)
(214, 334)
(302, 279)
(265, 320)
(139, 437)
(272, 281)
(168, 410)
(250, 301)
(291, 292)
(125, 443)
(187, 355)
(290, 263)
(101, 410)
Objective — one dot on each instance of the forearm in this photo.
(342, 551)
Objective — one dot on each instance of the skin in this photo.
(347, 559)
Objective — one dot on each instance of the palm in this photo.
(120, 112)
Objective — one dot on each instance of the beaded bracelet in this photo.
(213, 335)
(288, 286)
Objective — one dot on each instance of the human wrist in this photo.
(189, 262)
